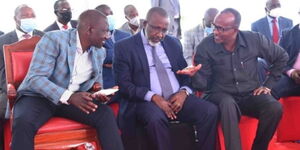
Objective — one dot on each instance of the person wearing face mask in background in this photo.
(270, 26)
(273, 24)
(25, 28)
(194, 36)
(116, 35)
(134, 24)
(63, 12)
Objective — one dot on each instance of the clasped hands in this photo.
(295, 75)
(171, 106)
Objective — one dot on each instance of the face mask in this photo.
(28, 24)
(275, 12)
(208, 30)
(111, 22)
(65, 16)
(150, 42)
(135, 21)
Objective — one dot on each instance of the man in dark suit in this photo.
(63, 12)
(272, 25)
(25, 28)
(1, 32)
(145, 68)
(289, 84)
(116, 35)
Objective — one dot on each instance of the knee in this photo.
(156, 121)
(275, 109)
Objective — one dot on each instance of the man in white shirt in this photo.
(64, 68)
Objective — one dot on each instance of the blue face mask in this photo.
(28, 24)
(111, 22)
(208, 30)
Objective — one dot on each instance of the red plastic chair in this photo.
(57, 133)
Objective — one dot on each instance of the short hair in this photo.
(102, 8)
(17, 10)
(236, 14)
(89, 17)
(57, 2)
(127, 9)
(160, 11)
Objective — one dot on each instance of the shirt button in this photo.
(233, 54)
(234, 69)
(237, 83)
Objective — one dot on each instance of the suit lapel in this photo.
(266, 28)
(140, 49)
(72, 47)
(168, 51)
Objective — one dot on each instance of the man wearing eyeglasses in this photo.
(145, 68)
(228, 61)
(63, 13)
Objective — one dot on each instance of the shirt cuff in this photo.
(189, 90)
(148, 96)
(65, 97)
(289, 72)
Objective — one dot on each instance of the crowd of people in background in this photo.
(239, 73)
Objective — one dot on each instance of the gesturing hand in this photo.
(190, 71)
(261, 90)
(164, 105)
(83, 101)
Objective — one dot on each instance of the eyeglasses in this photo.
(64, 9)
(158, 29)
(221, 29)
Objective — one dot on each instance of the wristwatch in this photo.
(186, 92)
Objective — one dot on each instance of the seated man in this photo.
(64, 66)
(289, 84)
(133, 24)
(116, 35)
(63, 13)
(229, 67)
(145, 66)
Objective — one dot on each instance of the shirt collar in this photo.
(144, 38)
(20, 33)
(270, 19)
(60, 25)
(78, 44)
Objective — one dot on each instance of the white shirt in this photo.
(60, 25)
(20, 34)
(82, 71)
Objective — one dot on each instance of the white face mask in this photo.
(28, 24)
(276, 12)
(135, 21)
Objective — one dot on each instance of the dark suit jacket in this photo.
(9, 38)
(290, 42)
(1, 32)
(262, 26)
(54, 26)
(132, 74)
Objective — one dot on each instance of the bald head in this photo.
(105, 9)
(271, 4)
(128, 9)
(157, 11)
(209, 16)
(90, 18)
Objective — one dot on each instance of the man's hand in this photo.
(83, 101)
(100, 97)
(295, 75)
(177, 101)
(164, 105)
(190, 71)
(262, 90)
